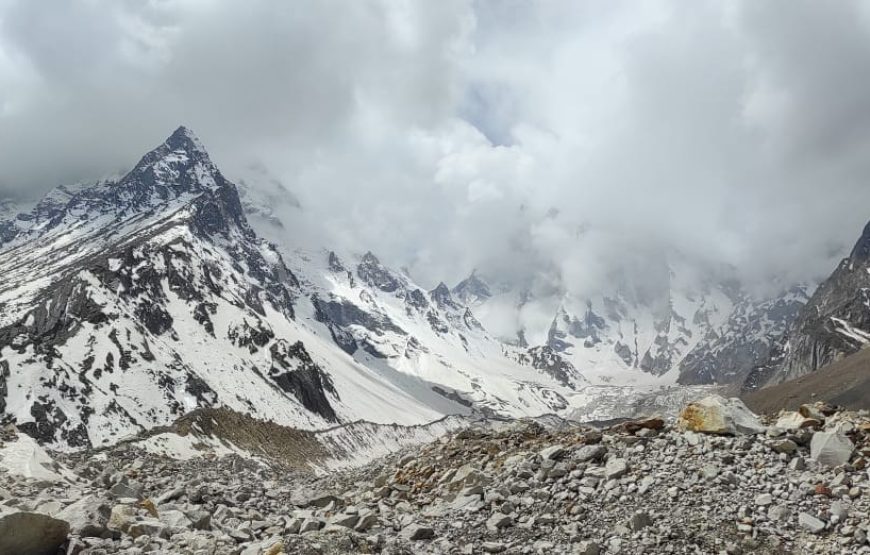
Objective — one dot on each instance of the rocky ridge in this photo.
(683, 326)
(834, 324)
(718, 480)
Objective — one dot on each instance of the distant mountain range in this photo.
(127, 303)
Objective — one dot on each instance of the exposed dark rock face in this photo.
(565, 327)
(371, 272)
(131, 274)
(550, 362)
(625, 353)
(442, 297)
(295, 372)
(342, 313)
(472, 290)
(728, 355)
(834, 323)
(417, 299)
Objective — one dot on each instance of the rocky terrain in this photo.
(717, 480)
(833, 324)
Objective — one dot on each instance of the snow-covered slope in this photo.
(130, 302)
(682, 326)
(126, 304)
(412, 336)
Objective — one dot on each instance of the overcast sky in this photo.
(508, 135)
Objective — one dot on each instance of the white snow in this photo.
(24, 457)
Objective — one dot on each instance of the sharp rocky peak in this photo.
(861, 250)
(472, 289)
(184, 138)
(441, 295)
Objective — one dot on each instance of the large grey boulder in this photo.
(831, 448)
(26, 533)
(719, 415)
(88, 517)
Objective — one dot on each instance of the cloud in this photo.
(550, 144)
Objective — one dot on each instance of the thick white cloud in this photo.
(550, 143)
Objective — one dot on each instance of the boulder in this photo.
(786, 446)
(416, 532)
(310, 525)
(88, 517)
(346, 520)
(792, 420)
(498, 521)
(831, 448)
(365, 522)
(125, 489)
(147, 526)
(633, 426)
(175, 519)
(615, 468)
(639, 521)
(719, 415)
(590, 453)
(588, 548)
(810, 523)
(200, 519)
(554, 452)
(811, 411)
(26, 533)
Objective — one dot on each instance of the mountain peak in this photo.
(472, 289)
(861, 251)
(185, 139)
(441, 295)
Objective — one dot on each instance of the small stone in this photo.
(709, 471)
(764, 500)
(348, 521)
(588, 548)
(838, 509)
(125, 489)
(640, 520)
(786, 446)
(615, 468)
(797, 463)
(810, 523)
(590, 453)
(146, 527)
(553, 452)
(310, 525)
(416, 532)
(498, 521)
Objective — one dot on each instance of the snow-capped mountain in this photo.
(729, 353)
(834, 323)
(127, 303)
(130, 302)
(390, 324)
(683, 329)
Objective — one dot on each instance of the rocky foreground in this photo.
(718, 480)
